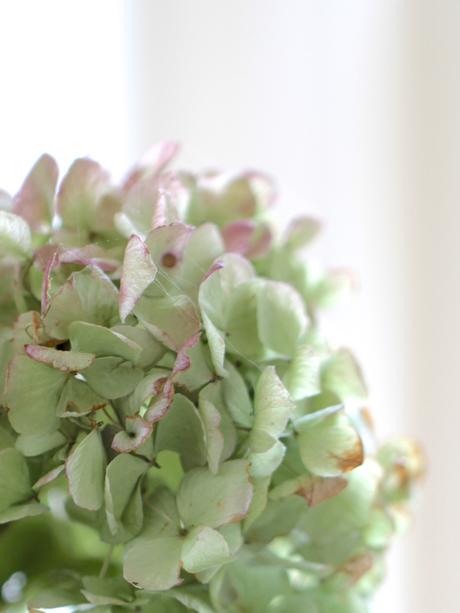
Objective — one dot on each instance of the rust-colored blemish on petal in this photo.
(351, 458)
(319, 489)
(368, 418)
(357, 566)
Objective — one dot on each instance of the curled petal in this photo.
(137, 432)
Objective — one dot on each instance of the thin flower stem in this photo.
(106, 563)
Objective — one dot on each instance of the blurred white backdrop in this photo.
(353, 107)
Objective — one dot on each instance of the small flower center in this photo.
(169, 260)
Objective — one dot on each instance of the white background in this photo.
(353, 107)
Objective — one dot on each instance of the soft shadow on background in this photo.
(354, 108)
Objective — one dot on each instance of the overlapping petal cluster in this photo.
(161, 363)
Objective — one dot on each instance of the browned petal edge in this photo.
(357, 566)
(319, 489)
(49, 477)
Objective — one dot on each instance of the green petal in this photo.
(14, 478)
(88, 295)
(151, 350)
(33, 406)
(258, 502)
(85, 469)
(35, 444)
(211, 420)
(272, 410)
(67, 361)
(78, 398)
(20, 511)
(241, 327)
(153, 563)
(216, 343)
(203, 548)
(204, 246)
(302, 377)
(329, 445)
(173, 320)
(80, 193)
(281, 317)
(181, 430)
(218, 287)
(215, 500)
(15, 237)
(107, 591)
(236, 397)
(113, 377)
(138, 273)
(336, 526)
(300, 233)
(102, 342)
(277, 519)
(161, 515)
(341, 375)
(121, 486)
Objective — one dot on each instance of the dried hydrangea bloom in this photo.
(162, 371)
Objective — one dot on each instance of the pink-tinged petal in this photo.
(51, 263)
(152, 162)
(35, 200)
(164, 390)
(80, 193)
(223, 198)
(182, 362)
(161, 403)
(89, 255)
(171, 319)
(247, 238)
(49, 477)
(66, 361)
(137, 432)
(167, 243)
(263, 187)
(300, 232)
(151, 202)
(138, 273)
(218, 265)
(43, 254)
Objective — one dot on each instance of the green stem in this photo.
(106, 563)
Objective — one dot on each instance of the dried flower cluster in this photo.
(162, 369)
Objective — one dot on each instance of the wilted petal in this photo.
(137, 432)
